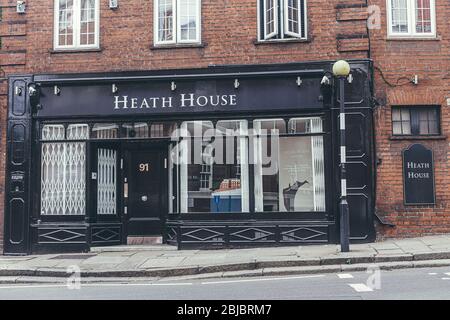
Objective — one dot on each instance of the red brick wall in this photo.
(229, 31)
(401, 60)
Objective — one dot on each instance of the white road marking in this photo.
(432, 273)
(447, 273)
(445, 278)
(262, 279)
(34, 286)
(344, 275)
(360, 287)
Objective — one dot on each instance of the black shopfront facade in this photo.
(214, 157)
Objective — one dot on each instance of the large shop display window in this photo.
(212, 164)
(63, 169)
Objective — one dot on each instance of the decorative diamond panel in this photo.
(251, 234)
(107, 181)
(304, 234)
(58, 235)
(106, 234)
(63, 178)
(203, 235)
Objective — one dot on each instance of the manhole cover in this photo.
(74, 256)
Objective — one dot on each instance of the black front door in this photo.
(146, 205)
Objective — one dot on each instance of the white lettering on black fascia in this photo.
(186, 100)
(124, 102)
(167, 102)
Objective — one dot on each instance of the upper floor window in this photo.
(76, 24)
(411, 18)
(177, 21)
(415, 120)
(282, 19)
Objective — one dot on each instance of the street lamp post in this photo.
(341, 69)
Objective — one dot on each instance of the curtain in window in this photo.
(318, 165)
(65, 27)
(399, 12)
(423, 16)
(165, 20)
(243, 163)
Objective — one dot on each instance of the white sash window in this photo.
(411, 18)
(177, 21)
(282, 19)
(76, 24)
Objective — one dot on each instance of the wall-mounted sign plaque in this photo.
(418, 175)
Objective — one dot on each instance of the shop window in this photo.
(105, 131)
(411, 18)
(163, 129)
(76, 24)
(289, 170)
(415, 120)
(135, 130)
(177, 21)
(53, 132)
(212, 167)
(63, 170)
(282, 19)
(77, 132)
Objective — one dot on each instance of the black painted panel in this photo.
(18, 97)
(17, 219)
(156, 98)
(103, 235)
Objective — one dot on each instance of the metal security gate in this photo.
(104, 197)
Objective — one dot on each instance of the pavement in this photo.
(163, 261)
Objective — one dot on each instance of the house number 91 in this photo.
(144, 167)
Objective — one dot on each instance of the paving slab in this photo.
(162, 262)
(103, 259)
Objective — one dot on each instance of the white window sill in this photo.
(76, 50)
(413, 38)
(178, 45)
(277, 41)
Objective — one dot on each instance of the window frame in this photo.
(281, 25)
(415, 124)
(76, 27)
(411, 15)
(176, 26)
